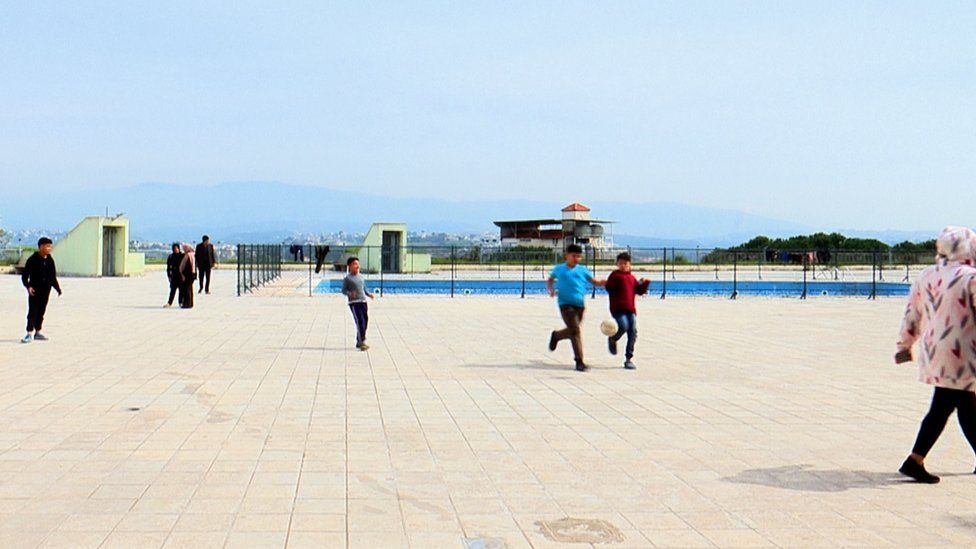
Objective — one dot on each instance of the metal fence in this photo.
(453, 270)
(257, 264)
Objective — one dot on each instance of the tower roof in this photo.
(576, 207)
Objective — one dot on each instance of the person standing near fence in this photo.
(941, 316)
(173, 274)
(568, 283)
(354, 288)
(622, 287)
(206, 260)
(39, 277)
(188, 273)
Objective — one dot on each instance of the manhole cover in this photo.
(574, 530)
(484, 543)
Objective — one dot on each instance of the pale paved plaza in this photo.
(252, 422)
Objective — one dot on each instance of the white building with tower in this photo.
(574, 227)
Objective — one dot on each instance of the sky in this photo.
(832, 114)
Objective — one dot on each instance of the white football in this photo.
(608, 327)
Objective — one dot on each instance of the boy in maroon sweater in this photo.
(622, 287)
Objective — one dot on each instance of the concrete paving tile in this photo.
(458, 421)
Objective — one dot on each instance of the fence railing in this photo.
(257, 264)
(454, 269)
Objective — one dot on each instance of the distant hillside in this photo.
(269, 211)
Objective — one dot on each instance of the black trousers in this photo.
(944, 402)
(36, 307)
(204, 272)
(360, 313)
(173, 288)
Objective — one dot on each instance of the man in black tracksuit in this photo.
(40, 275)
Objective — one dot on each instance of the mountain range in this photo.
(267, 211)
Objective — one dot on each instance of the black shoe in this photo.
(916, 470)
(612, 345)
(552, 341)
(580, 367)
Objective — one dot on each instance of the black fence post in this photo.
(453, 267)
(523, 274)
(593, 286)
(381, 272)
(762, 257)
(664, 273)
(874, 277)
(735, 275)
(239, 270)
(804, 294)
(674, 262)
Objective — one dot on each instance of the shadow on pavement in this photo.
(352, 349)
(531, 365)
(805, 479)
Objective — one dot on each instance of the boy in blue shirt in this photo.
(569, 281)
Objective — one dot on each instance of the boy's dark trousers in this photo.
(360, 313)
(572, 317)
(36, 306)
(626, 324)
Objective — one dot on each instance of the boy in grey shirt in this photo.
(354, 288)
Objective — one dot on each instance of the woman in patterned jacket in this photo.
(940, 317)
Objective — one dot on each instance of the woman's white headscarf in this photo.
(957, 244)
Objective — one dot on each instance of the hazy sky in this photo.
(846, 114)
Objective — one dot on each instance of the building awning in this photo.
(537, 222)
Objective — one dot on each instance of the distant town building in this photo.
(574, 227)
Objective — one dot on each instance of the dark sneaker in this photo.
(612, 345)
(580, 367)
(916, 470)
(552, 341)
(630, 365)
(40, 337)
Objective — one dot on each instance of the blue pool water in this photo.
(680, 287)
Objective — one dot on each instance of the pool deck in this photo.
(252, 422)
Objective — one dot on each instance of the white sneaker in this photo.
(27, 339)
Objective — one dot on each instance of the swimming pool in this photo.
(677, 287)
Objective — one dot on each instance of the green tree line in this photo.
(833, 242)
